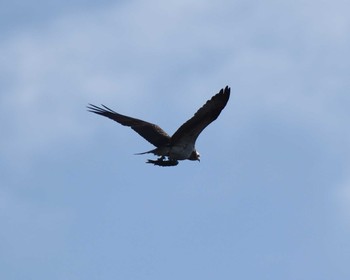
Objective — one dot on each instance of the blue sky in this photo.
(270, 198)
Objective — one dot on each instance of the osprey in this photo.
(181, 145)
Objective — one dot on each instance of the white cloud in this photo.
(176, 51)
(282, 59)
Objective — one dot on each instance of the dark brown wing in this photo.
(209, 112)
(151, 132)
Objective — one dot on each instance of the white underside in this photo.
(178, 152)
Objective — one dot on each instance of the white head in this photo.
(194, 156)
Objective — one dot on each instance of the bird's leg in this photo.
(159, 160)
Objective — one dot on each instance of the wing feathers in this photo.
(203, 117)
(151, 132)
(189, 131)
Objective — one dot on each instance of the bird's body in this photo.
(179, 151)
(181, 145)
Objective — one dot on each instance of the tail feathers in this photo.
(148, 152)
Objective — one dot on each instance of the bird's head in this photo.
(194, 156)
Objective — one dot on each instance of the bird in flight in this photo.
(179, 146)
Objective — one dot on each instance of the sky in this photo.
(270, 198)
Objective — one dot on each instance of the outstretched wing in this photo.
(151, 132)
(209, 112)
